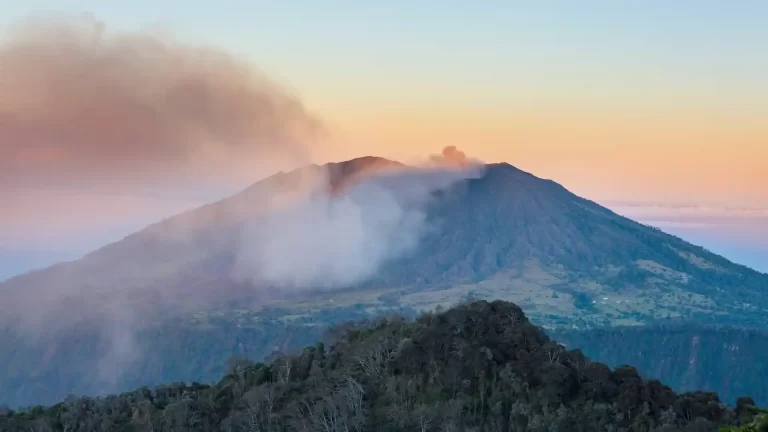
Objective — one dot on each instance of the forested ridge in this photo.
(686, 356)
(479, 366)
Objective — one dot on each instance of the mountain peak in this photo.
(365, 162)
(342, 174)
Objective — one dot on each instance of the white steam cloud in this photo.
(324, 240)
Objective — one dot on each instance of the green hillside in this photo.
(685, 356)
(479, 366)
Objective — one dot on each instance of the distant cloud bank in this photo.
(740, 234)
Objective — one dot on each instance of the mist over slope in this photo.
(298, 251)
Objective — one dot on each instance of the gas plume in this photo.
(334, 240)
(82, 104)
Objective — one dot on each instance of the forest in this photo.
(480, 366)
(685, 356)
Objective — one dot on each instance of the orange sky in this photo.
(670, 157)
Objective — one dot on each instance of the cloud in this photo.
(694, 215)
(82, 104)
(325, 241)
(739, 233)
(113, 130)
(322, 240)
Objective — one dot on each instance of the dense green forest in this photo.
(685, 356)
(759, 424)
(479, 366)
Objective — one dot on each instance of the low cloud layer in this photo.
(694, 215)
(81, 103)
(740, 234)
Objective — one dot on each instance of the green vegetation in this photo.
(759, 424)
(477, 367)
(683, 355)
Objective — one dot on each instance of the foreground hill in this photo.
(480, 366)
(131, 313)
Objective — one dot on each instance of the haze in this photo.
(663, 122)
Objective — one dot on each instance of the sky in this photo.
(656, 109)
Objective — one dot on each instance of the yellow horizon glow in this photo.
(677, 156)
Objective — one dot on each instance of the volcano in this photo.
(501, 234)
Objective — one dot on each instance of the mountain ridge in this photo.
(342, 171)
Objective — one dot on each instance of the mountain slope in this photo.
(519, 234)
(128, 308)
(480, 366)
(514, 236)
(191, 255)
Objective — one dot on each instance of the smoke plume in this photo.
(452, 157)
(82, 104)
(324, 240)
